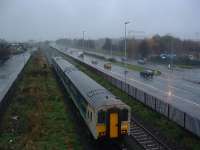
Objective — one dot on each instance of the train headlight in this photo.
(124, 127)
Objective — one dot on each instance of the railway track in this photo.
(145, 138)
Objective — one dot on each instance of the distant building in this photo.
(194, 55)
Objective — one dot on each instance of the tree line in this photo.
(79, 43)
(154, 46)
(137, 48)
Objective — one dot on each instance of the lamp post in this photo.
(171, 51)
(170, 47)
(111, 50)
(125, 23)
(83, 39)
(125, 55)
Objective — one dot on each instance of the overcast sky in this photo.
(52, 19)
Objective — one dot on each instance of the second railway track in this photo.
(145, 138)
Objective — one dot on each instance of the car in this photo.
(147, 74)
(141, 61)
(124, 58)
(95, 62)
(163, 56)
(80, 54)
(108, 66)
(112, 59)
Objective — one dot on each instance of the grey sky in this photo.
(51, 19)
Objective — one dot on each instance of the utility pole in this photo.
(83, 39)
(125, 53)
(111, 50)
(127, 22)
(197, 36)
(172, 55)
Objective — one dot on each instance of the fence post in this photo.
(184, 120)
(145, 97)
(128, 91)
(168, 111)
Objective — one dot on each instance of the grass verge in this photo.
(37, 118)
(136, 67)
(185, 66)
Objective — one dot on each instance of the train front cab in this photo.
(113, 123)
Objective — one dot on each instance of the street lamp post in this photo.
(111, 50)
(127, 22)
(125, 53)
(83, 39)
(172, 55)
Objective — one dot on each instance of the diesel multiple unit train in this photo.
(104, 114)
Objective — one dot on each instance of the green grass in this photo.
(130, 66)
(44, 120)
(166, 127)
(185, 66)
(135, 67)
(99, 50)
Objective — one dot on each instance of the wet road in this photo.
(191, 75)
(178, 92)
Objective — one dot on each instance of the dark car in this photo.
(141, 61)
(95, 62)
(124, 58)
(147, 74)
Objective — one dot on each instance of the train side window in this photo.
(101, 116)
(90, 115)
(124, 115)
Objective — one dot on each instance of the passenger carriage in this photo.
(104, 114)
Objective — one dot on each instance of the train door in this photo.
(114, 128)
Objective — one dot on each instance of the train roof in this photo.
(95, 94)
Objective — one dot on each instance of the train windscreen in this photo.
(101, 117)
(124, 115)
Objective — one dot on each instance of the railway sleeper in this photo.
(150, 144)
(146, 142)
(143, 139)
(134, 125)
(137, 131)
(154, 147)
(136, 128)
(141, 136)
